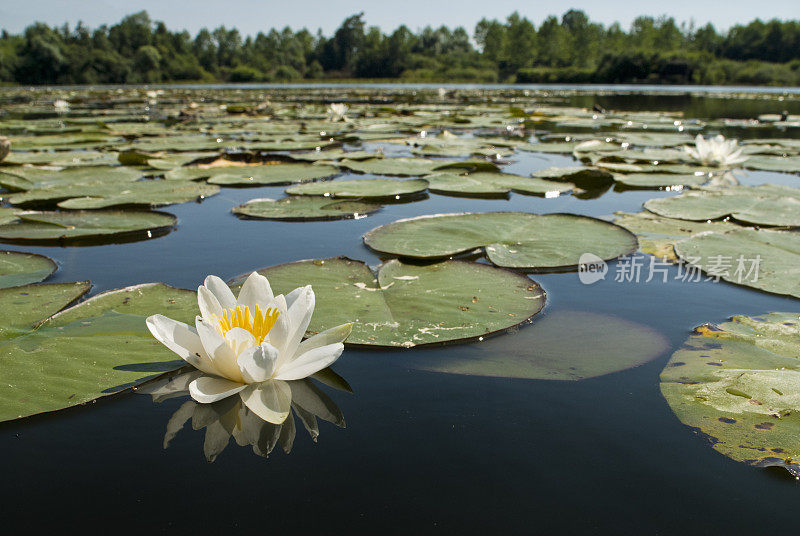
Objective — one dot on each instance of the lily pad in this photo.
(365, 189)
(304, 208)
(481, 183)
(784, 164)
(26, 178)
(19, 268)
(582, 176)
(597, 345)
(95, 348)
(66, 226)
(272, 174)
(23, 308)
(762, 259)
(408, 305)
(510, 239)
(149, 193)
(403, 167)
(659, 180)
(768, 205)
(737, 384)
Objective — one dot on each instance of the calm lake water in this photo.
(422, 452)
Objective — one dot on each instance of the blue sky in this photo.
(251, 16)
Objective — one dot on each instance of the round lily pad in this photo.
(95, 348)
(597, 345)
(762, 259)
(737, 385)
(149, 193)
(659, 180)
(403, 167)
(510, 239)
(304, 208)
(488, 184)
(67, 226)
(404, 305)
(19, 268)
(272, 174)
(364, 189)
(770, 205)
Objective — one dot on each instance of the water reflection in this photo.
(230, 417)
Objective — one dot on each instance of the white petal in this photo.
(222, 292)
(258, 363)
(210, 389)
(298, 317)
(239, 340)
(181, 339)
(209, 304)
(221, 354)
(255, 290)
(329, 336)
(270, 400)
(310, 362)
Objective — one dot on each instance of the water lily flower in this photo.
(5, 147)
(337, 112)
(716, 151)
(250, 345)
(61, 105)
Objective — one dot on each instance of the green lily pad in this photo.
(782, 164)
(273, 174)
(304, 208)
(335, 154)
(657, 235)
(737, 384)
(767, 205)
(582, 176)
(26, 178)
(66, 226)
(408, 305)
(595, 345)
(659, 180)
(510, 239)
(481, 183)
(403, 167)
(18, 268)
(23, 308)
(149, 193)
(365, 189)
(654, 139)
(774, 256)
(92, 349)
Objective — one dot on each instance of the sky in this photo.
(252, 16)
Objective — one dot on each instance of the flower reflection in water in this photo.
(230, 417)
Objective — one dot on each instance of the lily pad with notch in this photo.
(19, 268)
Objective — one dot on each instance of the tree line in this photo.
(571, 49)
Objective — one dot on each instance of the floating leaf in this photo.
(23, 308)
(366, 189)
(737, 384)
(510, 239)
(784, 164)
(272, 174)
(773, 255)
(762, 205)
(481, 183)
(393, 166)
(150, 193)
(408, 305)
(582, 176)
(26, 178)
(659, 180)
(94, 348)
(305, 208)
(66, 226)
(19, 268)
(595, 345)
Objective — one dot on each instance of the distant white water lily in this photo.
(337, 112)
(61, 105)
(250, 346)
(442, 92)
(716, 151)
(5, 147)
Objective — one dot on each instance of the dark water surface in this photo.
(422, 452)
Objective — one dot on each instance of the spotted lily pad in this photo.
(482, 183)
(737, 384)
(23, 308)
(304, 208)
(19, 268)
(66, 226)
(510, 239)
(407, 305)
(596, 345)
(365, 189)
(763, 205)
(95, 348)
(762, 259)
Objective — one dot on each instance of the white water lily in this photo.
(61, 105)
(337, 112)
(716, 151)
(5, 147)
(252, 345)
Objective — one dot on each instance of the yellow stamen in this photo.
(239, 317)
